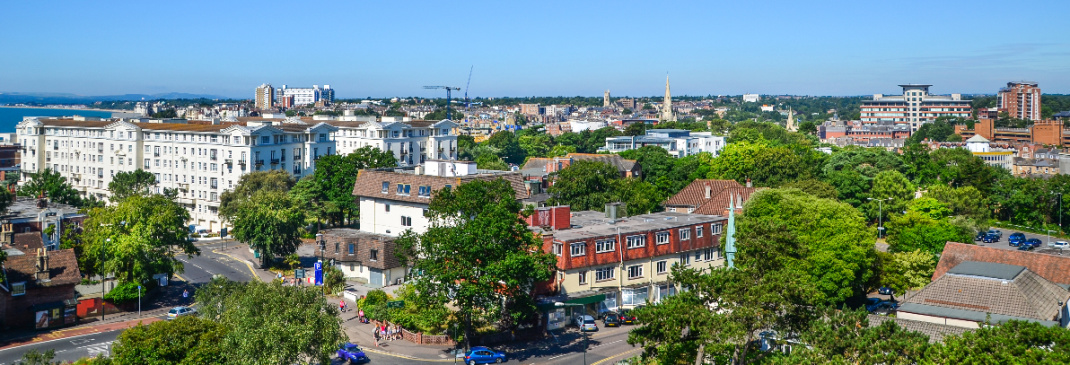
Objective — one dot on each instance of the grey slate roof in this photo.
(987, 269)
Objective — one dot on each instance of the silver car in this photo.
(179, 312)
(586, 323)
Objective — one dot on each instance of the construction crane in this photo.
(466, 87)
(448, 90)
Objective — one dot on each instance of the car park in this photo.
(586, 323)
(484, 355)
(179, 312)
(351, 353)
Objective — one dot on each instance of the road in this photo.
(67, 349)
(1004, 245)
(200, 269)
(604, 348)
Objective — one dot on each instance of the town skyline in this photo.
(539, 49)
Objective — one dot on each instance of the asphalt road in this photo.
(67, 349)
(200, 269)
(1003, 244)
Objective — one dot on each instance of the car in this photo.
(1025, 247)
(872, 303)
(980, 236)
(990, 238)
(885, 291)
(1016, 238)
(611, 320)
(179, 312)
(586, 323)
(1033, 242)
(996, 232)
(1062, 245)
(352, 353)
(627, 317)
(484, 355)
(885, 308)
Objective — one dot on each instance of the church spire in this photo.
(666, 108)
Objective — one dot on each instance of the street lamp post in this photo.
(102, 276)
(560, 304)
(880, 216)
(323, 270)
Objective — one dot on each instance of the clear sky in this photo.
(544, 48)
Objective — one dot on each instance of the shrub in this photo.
(125, 292)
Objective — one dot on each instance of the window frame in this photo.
(662, 267)
(577, 249)
(600, 246)
(685, 234)
(638, 271)
(662, 238)
(640, 241)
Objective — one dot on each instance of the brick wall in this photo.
(592, 258)
(18, 311)
(363, 247)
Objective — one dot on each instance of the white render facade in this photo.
(678, 142)
(411, 142)
(200, 161)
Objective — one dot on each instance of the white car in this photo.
(1062, 245)
(180, 311)
(586, 323)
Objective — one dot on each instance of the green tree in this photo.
(839, 247)
(891, 185)
(808, 127)
(476, 254)
(918, 230)
(635, 129)
(1013, 342)
(185, 340)
(137, 238)
(737, 161)
(639, 197)
(34, 357)
(847, 337)
(270, 223)
(584, 185)
(867, 161)
(965, 201)
(334, 177)
(491, 162)
(536, 145)
(767, 290)
(249, 184)
(267, 323)
(814, 187)
(508, 147)
(52, 185)
(909, 270)
(125, 184)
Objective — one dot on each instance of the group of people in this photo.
(290, 281)
(386, 332)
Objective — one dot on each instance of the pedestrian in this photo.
(185, 294)
(360, 315)
(375, 334)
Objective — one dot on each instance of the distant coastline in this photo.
(64, 107)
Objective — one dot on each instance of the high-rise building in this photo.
(265, 97)
(1020, 99)
(605, 100)
(914, 108)
(306, 95)
(666, 107)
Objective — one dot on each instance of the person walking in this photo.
(375, 334)
(360, 316)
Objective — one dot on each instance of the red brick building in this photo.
(1020, 99)
(39, 289)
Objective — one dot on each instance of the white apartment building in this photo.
(306, 95)
(915, 107)
(678, 142)
(201, 161)
(411, 142)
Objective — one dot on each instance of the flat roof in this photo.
(987, 269)
(591, 224)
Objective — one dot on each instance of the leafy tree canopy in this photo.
(51, 184)
(136, 239)
(125, 184)
(249, 184)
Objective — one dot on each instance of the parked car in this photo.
(885, 291)
(179, 312)
(885, 308)
(352, 353)
(1025, 247)
(872, 303)
(626, 317)
(1062, 245)
(990, 238)
(483, 355)
(1034, 242)
(980, 236)
(586, 323)
(611, 320)
(1016, 238)
(996, 232)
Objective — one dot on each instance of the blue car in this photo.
(483, 355)
(1016, 239)
(352, 353)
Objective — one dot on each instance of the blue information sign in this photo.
(319, 273)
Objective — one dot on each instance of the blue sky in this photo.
(393, 48)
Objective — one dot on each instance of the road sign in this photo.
(319, 272)
(395, 304)
(222, 232)
(299, 273)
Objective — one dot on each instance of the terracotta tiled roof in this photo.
(1027, 295)
(370, 184)
(29, 241)
(62, 268)
(181, 127)
(694, 194)
(718, 204)
(1054, 268)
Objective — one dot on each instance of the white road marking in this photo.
(100, 348)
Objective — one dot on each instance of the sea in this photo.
(9, 117)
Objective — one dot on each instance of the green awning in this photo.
(597, 298)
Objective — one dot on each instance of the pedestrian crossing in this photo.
(102, 348)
